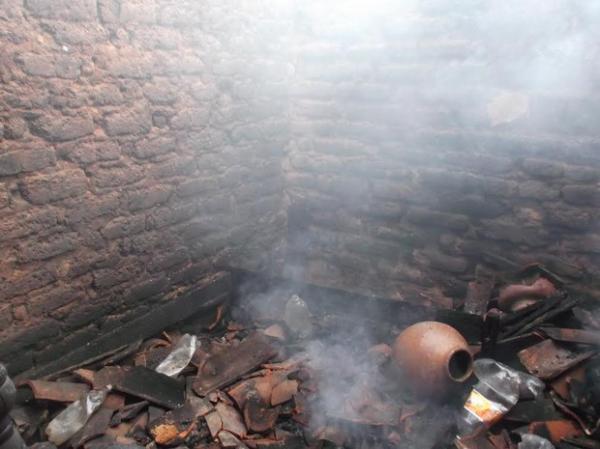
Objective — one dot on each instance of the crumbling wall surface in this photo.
(141, 146)
(433, 142)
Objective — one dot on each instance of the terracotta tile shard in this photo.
(572, 335)
(119, 431)
(128, 412)
(284, 392)
(258, 415)
(100, 442)
(213, 420)
(174, 426)
(275, 331)
(547, 360)
(561, 384)
(143, 383)
(95, 427)
(222, 369)
(228, 440)
(200, 406)
(555, 431)
(231, 419)
(57, 391)
(331, 434)
(114, 401)
(86, 375)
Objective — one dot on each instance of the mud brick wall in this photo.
(141, 146)
(436, 146)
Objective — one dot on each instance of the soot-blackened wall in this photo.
(435, 139)
(141, 146)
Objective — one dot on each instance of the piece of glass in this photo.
(180, 356)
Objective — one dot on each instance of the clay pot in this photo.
(433, 358)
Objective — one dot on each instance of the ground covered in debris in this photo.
(275, 373)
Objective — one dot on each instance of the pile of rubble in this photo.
(279, 384)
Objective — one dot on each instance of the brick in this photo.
(176, 166)
(185, 12)
(20, 362)
(123, 227)
(109, 277)
(86, 208)
(54, 298)
(10, 163)
(437, 219)
(4, 197)
(136, 121)
(83, 313)
(16, 162)
(192, 118)
(480, 163)
(57, 128)
(540, 168)
(148, 197)
(177, 213)
(6, 317)
(160, 93)
(582, 174)
(514, 233)
(138, 11)
(50, 66)
(26, 282)
(206, 139)
(68, 342)
(196, 186)
(72, 33)
(573, 218)
(41, 189)
(191, 273)
(62, 9)
(154, 147)
(15, 127)
(442, 262)
(108, 10)
(582, 195)
(127, 62)
(22, 224)
(473, 205)
(116, 175)
(538, 190)
(177, 256)
(146, 289)
(89, 152)
(106, 95)
(42, 250)
(446, 180)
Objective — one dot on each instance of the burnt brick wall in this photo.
(436, 141)
(141, 147)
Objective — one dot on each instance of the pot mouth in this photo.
(460, 365)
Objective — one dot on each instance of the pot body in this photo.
(433, 358)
